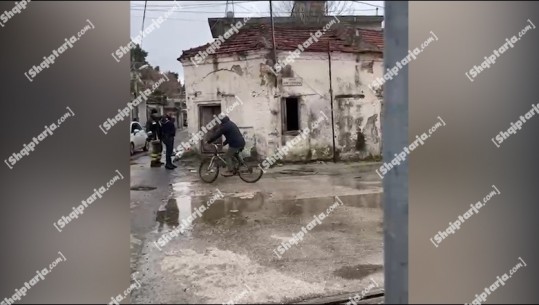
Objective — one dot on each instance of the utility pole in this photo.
(135, 87)
(141, 109)
(395, 137)
(273, 40)
(331, 104)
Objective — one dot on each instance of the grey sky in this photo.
(188, 26)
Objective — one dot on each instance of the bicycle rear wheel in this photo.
(208, 170)
(250, 173)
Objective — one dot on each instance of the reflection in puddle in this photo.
(238, 209)
(168, 214)
(184, 207)
(183, 200)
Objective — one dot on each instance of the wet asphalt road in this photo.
(230, 252)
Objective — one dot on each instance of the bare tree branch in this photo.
(285, 8)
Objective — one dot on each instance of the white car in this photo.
(138, 138)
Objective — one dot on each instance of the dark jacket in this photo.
(154, 126)
(168, 130)
(231, 132)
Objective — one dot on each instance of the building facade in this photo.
(330, 80)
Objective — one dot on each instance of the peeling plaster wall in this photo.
(356, 108)
(314, 99)
(219, 81)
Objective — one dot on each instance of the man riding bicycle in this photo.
(233, 138)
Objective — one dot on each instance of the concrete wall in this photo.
(356, 108)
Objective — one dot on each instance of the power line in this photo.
(143, 19)
(183, 11)
(208, 5)
(177, 19)
(163, 8)
(241, 6)
(200, 3)
(378, 6)
(221, 3)
(191, 6)
(217, 12)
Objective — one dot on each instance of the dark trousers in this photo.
(230, 156)
(169, 146)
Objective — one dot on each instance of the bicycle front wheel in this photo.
(208, 170)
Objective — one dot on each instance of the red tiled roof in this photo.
(256, 37)
(370, 36)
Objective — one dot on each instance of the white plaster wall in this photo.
(248, 78)
(219, 82)
(352, 77)
(349, 76)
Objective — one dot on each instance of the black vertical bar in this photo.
(331, 101)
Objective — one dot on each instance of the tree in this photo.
(285, 8)
(138, 55)
(172, 88)
(157, 96)
(138, 59)
(149, 76)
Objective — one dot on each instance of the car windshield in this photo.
(135, 126)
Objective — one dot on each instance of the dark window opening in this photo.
(291, 114)
(207, 114)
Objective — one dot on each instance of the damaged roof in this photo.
(218, 25)
(259, 36)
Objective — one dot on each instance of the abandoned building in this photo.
(331, 75)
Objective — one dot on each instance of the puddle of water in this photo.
(143, 188)
(184, 207)
(168, 214)
(358, 182)
(183, 200)
(182, 188)
(259, 208)
(368, 200)
(298, 172)
(230, 209)
(313, 206)
(358, 271)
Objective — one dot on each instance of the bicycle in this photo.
(241, 168)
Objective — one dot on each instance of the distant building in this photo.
(177, 106)
(278, 108)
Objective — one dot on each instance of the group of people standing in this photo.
(161, 130)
